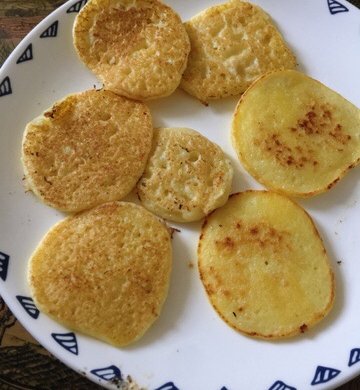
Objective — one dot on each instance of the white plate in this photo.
(189, 347)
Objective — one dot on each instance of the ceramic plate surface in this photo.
(189, 347)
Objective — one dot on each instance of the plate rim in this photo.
(16, 309)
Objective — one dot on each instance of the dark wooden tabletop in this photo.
(23, 362)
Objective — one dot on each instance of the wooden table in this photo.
(22, 360)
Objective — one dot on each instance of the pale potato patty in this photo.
(295, 135)
(187, 176)
(231, 45)
(264, 266)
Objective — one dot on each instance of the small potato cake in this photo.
(187, 176)
(264, 266)
(104, 272)
(88, 149)
(294, 135)
(137, 48)
(231, 45)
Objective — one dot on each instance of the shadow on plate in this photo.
(341, 194)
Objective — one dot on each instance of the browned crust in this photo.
(267, 184)
(126, 36)
(129, 317)
(301, 329)
(85, 123)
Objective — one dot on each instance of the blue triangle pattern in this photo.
(51, 31)
(108, 373)
(224, 388)
(167, 386)
(27, 55)
(324, 374)
(279, 385)
(5, 87)
(67, 341)
(29, 306)
(76, 7)
(4, 264)
(335, 7)
(354, 356)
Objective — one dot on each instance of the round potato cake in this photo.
(295, 135)
(232, 44)
(104, 272)
(264, 266)
(89, 148)
(186, 177)
(138, 49)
